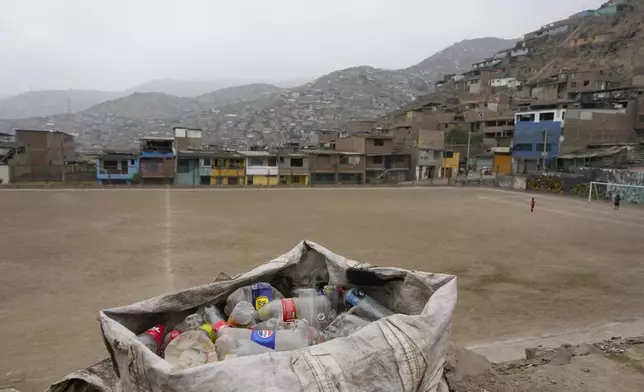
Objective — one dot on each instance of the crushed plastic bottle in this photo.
(152, 338)
(312, 309)
(190, 349)
(258, 294)
(344, 325)
(242, 316)
(230, 339)
(366, 306)
(193, 321)
(249, 347)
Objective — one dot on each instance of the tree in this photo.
(458, 135)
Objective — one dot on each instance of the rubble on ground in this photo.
(615, 364)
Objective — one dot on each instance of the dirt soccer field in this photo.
(67, 254)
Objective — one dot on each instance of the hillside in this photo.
(47, 103)
(458, 58)
(237, 93)
(182, 88)
(145, 106)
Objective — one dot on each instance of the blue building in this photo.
(537, 134)
(117, 168)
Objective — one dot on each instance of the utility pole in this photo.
(545, 150)
(467, 159)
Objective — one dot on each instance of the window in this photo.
(525, 117)
(641, 118)
(522, 147)
(282, 180)
(220, 162)
(132, 162)
(255, 162)
(110, 165)
(344, 160)
(281, 159)
(206, 162)
(548, 116)
(586, 83)
(183, 166)
(540, 147)
(378, 142)
(272, 161)
(297, 162)
(448, 154)
(573, 84)
(377, 160)
(124, 165)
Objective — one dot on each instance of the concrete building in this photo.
(536, 138)
(45, 155)
(568, 85)
(10, 152)
(330, 167)
(227, 168)
(157, 159)
(427, 156)
(194, 167)
(294, 169)
(261, 168)
(117, 167)
(383, 162)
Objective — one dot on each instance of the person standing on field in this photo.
(532, 205)
(618, 198)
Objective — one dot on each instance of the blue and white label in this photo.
(264, 337)
(262, 294)
(354, 296)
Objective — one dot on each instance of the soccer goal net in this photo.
(608, 191)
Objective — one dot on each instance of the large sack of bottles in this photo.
(309, 320)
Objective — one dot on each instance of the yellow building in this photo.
(449, 164)
(228, 170)
(261, 168)
(294, 169)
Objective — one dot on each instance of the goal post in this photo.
(608, 190)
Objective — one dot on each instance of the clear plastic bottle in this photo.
(312, 309)
(190, 349)
(243, 315)
(230, 339)
(193, 321)
(152, 338)
(366, 306)
(258, 294)
(345, 324)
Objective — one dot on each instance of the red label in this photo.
(157, 333)
(173, 334)
(220, 324)
(289, 310)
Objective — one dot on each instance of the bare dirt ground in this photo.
(67, 254)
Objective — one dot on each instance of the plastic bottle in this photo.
(191, 322)
(190, 349)
(334, 293)
(346, 324)
(243, 315)
(366, 306)
(258, 294)
(312, 309)
(230, 339)
(249, 347)
(152, 338)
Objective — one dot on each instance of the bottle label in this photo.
(264, 337)
(173, 335)
(262, 294)
(157, 333)
(219, 325)
(354, 296)
(289, 310)
(206, 327)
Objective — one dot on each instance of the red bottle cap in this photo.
(157, 333)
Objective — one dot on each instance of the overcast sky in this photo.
(115, 44)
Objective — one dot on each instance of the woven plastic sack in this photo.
(404, 352)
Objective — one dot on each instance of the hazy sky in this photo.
(115, 44)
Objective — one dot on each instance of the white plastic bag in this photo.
(404, 352)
